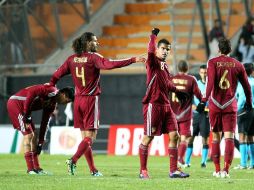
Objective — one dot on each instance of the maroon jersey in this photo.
(34, 98)
(158, 77)
(85, 71)
(188, 84)
(223, 73)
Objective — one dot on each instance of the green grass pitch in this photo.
(120, 172)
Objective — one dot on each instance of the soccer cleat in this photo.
(71, 166)
(96, 174)
(181, 164)
(224, 174)
(32, 172)
(40, 171)
(216, 174)
(144, 174)
(250, 167)
(239, 167)
(178, 174)
(203, 165)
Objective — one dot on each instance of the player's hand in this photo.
(182, 96)
(155, 31)
(201, 107)
(247, 107)
(39, 148)
(140, 59)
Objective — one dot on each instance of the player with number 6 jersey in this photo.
(84, 67)
(223, 74)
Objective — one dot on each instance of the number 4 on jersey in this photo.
(81, 74)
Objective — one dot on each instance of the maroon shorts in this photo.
(184, 128)
(15, 110)
(222, 121)
(86, 112)
(158, 119)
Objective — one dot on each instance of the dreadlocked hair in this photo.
(79, 45)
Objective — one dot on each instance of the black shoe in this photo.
(203, 165)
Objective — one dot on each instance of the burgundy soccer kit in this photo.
(223, 74)
(85, 72)
(183, 112)
(158, 115)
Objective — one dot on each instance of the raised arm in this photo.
(60, 72)
(152, 46)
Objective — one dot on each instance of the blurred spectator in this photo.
(246, 48)
(216, 32)
(16, 37)
(214, 35)
(3, 43)
(248, 29)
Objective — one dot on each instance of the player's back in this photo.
(188, 84)
(226, 71)
(84, 73)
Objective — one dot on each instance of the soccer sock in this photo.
(188, 153)
(229, 153)
(36, 164)
(29, 161)
(216, 155)
(89, 156)
(143, 156)
(181, 151)
(172, 152)
(82, 147)
(243, 152)
(204, 153)
(251, 149)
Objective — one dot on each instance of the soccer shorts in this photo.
(246, 123)
(86, 112)
(158, 119)
(201, 125)
(184, 128)
(222, 121)
(16, 111)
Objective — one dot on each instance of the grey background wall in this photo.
(120, 101)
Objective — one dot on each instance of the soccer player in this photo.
(20, 106)
(223, 72)
(245, 122)
(158, 115)
(183, 111)
(84, 66)
(200, 123)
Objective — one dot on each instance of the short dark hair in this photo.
(79, 45)
(163, 41)
(69, 92)
(203, 67)
(248, 68)
(224, 46)
(183, 66)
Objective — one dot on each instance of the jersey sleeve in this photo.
(60, 72)
(107, 64)
(44, 123)
(151, 50)
(196, 90)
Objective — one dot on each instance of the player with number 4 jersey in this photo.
(84, 67)
(223, 74)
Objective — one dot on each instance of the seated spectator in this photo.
(246, 48)
(214, 35)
